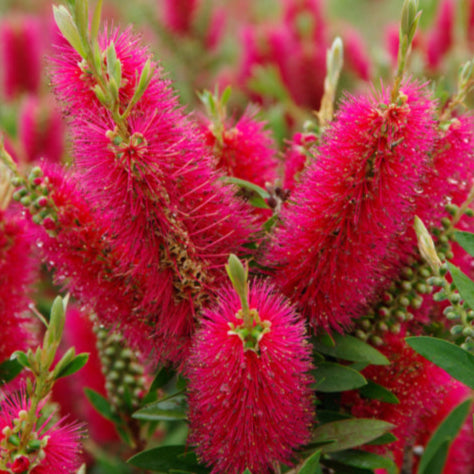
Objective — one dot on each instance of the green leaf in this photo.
(464, 284)
(246, 185)
(95, 24)
(364, 460)
(437, 462)
(257, 201)
(75, 365)
(165, 458)
(444, 435)
(311, 464)
(69, 29)
(352, 349)
(350, 433)
(374, 391)
(451, 358)
(102, 405)
(331, 377)
(9, 369)
(170, 409)
(82, 17)
(247, 471)
(22, 358)
(465, 240)
(164, 375)
(384, 439)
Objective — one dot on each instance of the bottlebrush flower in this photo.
(41, 131)
(170, 218)
(15, 276)
(178, 14)
(417, 383)
(356, 55)
(59, 449)
(244, 149)
(440, 38)
(73, 239)
(249, 408)
(297, 48)
(20, 53)
(355, 199)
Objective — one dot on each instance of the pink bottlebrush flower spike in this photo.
(254, 379)
(178, 14)
(169, 217)
(417, 383)
(353, 201)
(244, 149)
(20, 54)
(15, 276)
(41, 131)
(53, 448)
(440, 38)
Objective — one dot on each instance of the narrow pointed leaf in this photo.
(465, 240)
(374, 391)
(454, 360)
(9, 369)
(352, 349)
(101, 404)
(311, 464)
(166, 458)
(68, 28)
(464, 284)
(350, 433)
(331, 377)
(75, 365)
(445, 434)
(169, 409)
(365, 460)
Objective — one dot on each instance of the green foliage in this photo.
(463, 283)
(364, 460)
(167, 459)
(9, 369)
(350, 433)
(454, 360)
(434, 456)
(350, 348)
(311, 464)
(332, 377)
(465, 240)
(375, 391)
(171, 408)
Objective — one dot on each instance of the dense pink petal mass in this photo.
(353, 201)
(249, 409)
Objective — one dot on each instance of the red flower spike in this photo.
(250, 408)
(245, 150)
(172, 221)
(20, 54)
(15, 276)
(354, 201)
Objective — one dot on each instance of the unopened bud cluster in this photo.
(33, 193)
(397, 304)
(406, 294)
(458, 311)
(125, 383)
